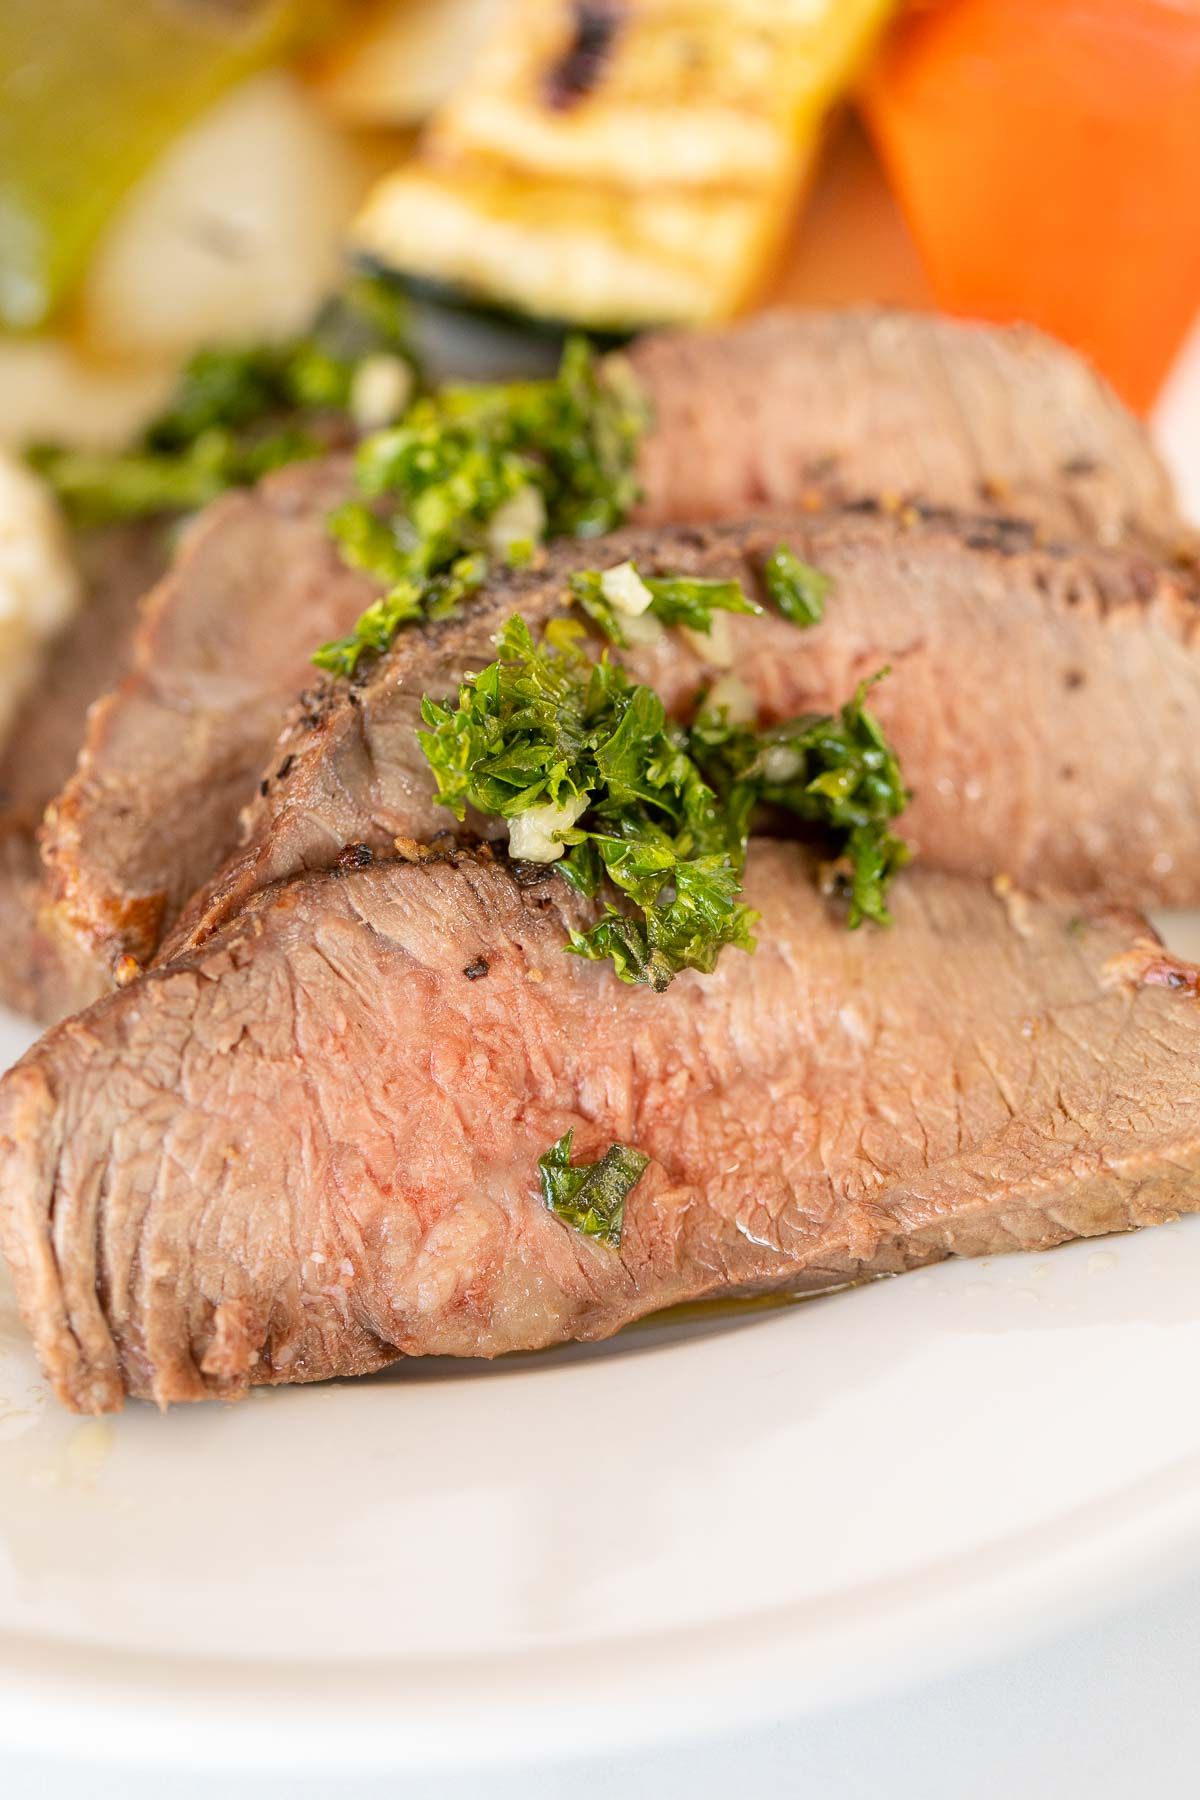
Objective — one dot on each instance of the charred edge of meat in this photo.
(530, 874)
(475, 971)
(1004, 533)
(580, 68)
(455, 848)
(447, 847)
(356, 856)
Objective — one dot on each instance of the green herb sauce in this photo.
(435, 488)
(237, 413)
(659, 811)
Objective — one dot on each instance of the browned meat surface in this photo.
(1044, 702)
(312, 1147)
(41, 973)
(175, 750)
(847, 403)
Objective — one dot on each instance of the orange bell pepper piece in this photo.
(1047, 155)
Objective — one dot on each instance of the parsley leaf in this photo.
(673, 600)
(591, 1196)
(237, 412)
(798, 590)
(838, 774)
(435, 489)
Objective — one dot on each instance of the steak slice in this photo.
(1043, 701)
(791, 405)
(858, 402)
(41, 973)
(175, 750)
(312, 1147)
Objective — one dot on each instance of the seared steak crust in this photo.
(175, 749)
(41, 972)
(311, 1148)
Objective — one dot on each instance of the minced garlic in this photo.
(625, 590)
(531, 834)
(519, 523)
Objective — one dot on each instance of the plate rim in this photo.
(460, 1714)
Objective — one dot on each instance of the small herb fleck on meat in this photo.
(591, 1196)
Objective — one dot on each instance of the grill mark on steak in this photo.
(976, 704)
(791, 408)
(312, 1147)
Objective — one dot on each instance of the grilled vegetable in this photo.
(397, 61)
(88, 97)
(621, 164)
(1048, 160)
(235, 232)
(599, 256)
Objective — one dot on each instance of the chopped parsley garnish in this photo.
(591, 774)
(798, 590)
(480, 472)
(591, 1196)
(102, 488)
(837, 773)
(237, 413)
(610, 598)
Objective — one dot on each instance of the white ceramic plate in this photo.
(687, 1529)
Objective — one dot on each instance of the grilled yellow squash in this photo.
(597, 255)
(621, 164)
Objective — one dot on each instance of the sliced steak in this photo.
(842, 404)
(40, 972)
(175, 750)
(312, 1148)
(793, 405)
(1044, 702)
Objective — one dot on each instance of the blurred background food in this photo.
(1047, 157)
(179, 172)
(621, 166)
